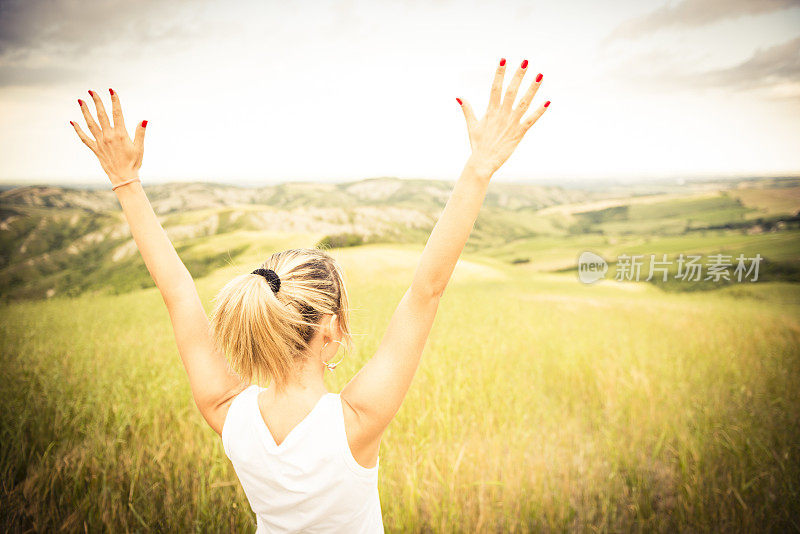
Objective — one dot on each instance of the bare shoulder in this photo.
(364, 445)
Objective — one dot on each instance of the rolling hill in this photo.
(56, 240)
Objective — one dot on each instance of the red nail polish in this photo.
(91, 93)
(539, 77)
(72, 123)
(80, 102)
(459, 102)
(524, 64)
(547, 103)
(144, 123)
(111, 91)
(503, 62)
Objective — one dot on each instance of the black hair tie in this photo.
(271, 277)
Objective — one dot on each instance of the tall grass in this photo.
(540, 404)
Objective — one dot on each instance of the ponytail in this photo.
(265, 334)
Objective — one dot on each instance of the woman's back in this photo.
(310, 482)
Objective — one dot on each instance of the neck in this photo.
(307, 383)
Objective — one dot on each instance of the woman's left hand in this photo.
(120, 157)
(496, 135)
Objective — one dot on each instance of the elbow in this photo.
(427, 291)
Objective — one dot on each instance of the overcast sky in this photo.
(335, 90)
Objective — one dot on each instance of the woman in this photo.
(307, 459)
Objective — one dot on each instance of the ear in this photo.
(334, 326)
(328, 327)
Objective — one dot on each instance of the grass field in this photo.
(541, 404)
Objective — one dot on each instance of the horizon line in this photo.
(255, 184)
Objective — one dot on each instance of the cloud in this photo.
(693, 13)
(55, 24)
(773, 71)
(40, 39)
(19, 75)
(773, 66)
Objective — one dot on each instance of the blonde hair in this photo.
(264, 334)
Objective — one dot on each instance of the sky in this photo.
(274, 91)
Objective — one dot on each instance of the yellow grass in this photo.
(540, 404)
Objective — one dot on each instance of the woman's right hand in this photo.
(496, 135)
(119, 156)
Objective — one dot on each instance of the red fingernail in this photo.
(547, 103)
(72, 123)
(80, 102)
(539, 77)
(459, 102)
(524, 64)
(91, 93)
(144, 123)
(503, 62)
(111, 91)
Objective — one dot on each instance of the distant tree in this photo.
(341, 241)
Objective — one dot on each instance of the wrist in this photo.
(128, 189)
(122, 176)
(479, 168)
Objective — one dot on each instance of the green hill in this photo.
(56, 240)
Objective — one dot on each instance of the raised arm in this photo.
(377, 391)
(211, 382)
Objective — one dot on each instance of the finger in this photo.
(468, 114)
(116, 112)
(513, 87)
(497, 86)
(138, 140)
(85, 138)
(102, 118)
(530, 121)
(523, 105)
(87, 115)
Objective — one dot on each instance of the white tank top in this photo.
(308, 483)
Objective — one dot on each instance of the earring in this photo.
(329, 365)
